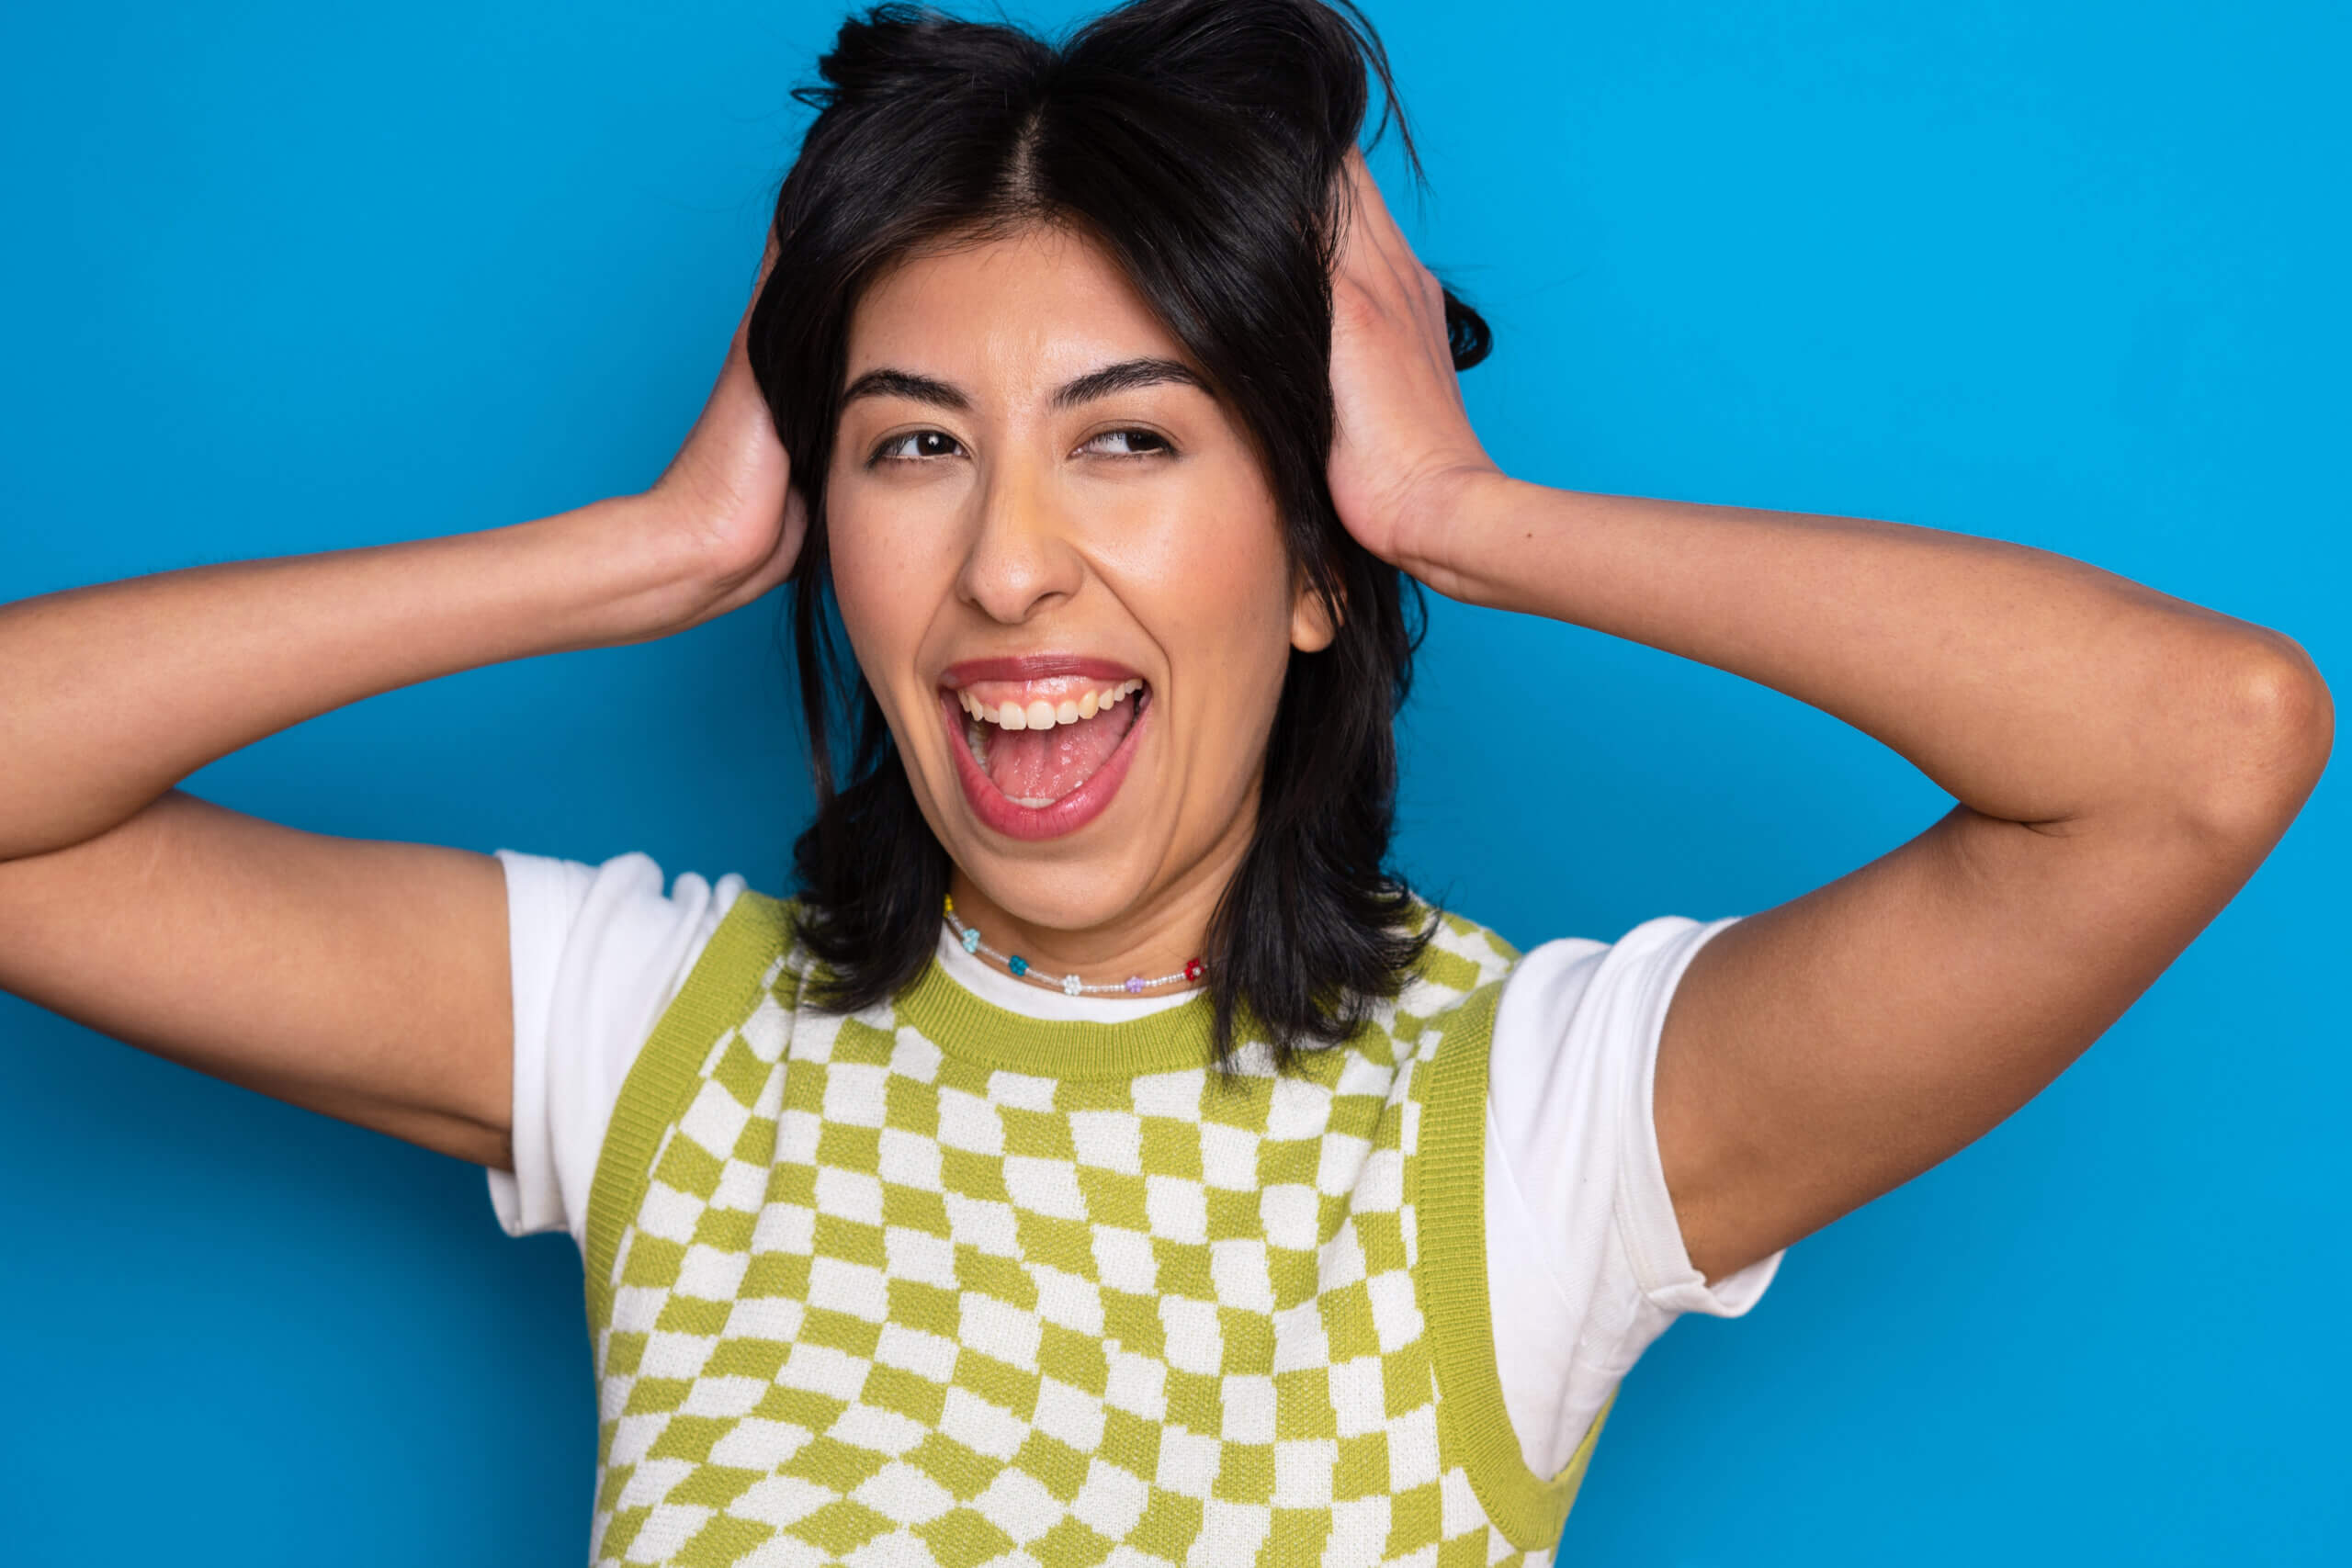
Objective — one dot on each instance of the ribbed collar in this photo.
(965, 1026)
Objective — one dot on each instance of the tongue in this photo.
(1033, 766)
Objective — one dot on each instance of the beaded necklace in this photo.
(1067, 985)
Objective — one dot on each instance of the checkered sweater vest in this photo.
(939, 1284)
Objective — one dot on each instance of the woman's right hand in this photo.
(728, 493)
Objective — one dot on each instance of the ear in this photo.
(1313, 623)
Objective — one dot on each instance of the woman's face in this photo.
(1063, 573)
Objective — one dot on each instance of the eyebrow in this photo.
(888, 383)
(1124, 376)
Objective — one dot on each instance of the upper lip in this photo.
(1035, 666)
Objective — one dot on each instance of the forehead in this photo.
(1006, 315)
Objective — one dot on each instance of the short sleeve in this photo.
(1587, 1265)
(596, 954)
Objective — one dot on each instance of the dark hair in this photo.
(1201, 142)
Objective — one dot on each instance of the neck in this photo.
(1157, 936)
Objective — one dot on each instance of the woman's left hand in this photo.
(1404, 450)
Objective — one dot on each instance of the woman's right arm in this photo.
(366, 980)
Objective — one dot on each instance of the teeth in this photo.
(1042, 715)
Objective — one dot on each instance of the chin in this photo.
(1065, 892)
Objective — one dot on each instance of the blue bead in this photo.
(971, 939)
(1017, 964)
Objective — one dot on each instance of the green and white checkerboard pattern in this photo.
(874, 1297)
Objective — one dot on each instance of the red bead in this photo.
(1191, 969)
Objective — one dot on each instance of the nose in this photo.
(1021, 560)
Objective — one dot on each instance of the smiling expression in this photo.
(1063, 574)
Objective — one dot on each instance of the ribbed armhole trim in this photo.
(719, 993)
(1448, 1187)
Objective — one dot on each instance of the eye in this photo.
(915, 446)
(1128, 444)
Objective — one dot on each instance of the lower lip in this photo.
(1068, 814)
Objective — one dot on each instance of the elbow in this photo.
(2268, 734)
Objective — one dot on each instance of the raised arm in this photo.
(2121, 761)
(365, 980)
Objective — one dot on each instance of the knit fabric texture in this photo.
(938, 1285)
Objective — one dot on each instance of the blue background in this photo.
(292, 279)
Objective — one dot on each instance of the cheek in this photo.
(885, 580)
(1206, 544)
(1220, 593)
(1235, 576)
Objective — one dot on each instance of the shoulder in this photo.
(754, 948)
(1454, 984)
(1609, 994)
(1462, 955)
(601, 952)
(613, 909)
(1631, 978)
(598, 953)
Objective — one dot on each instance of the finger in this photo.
(1417, 287)
(796, 531)
(1377, 223)
(1359, 250)
(767, 261)
(1376, 257)
(744, 323)
(1401, 277)
(1347, 197)
(1370, 232)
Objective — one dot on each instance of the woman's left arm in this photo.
(2122, 761)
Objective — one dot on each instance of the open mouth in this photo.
(1040, 757)
(1037, 752)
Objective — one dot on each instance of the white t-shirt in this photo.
(1585, 1261)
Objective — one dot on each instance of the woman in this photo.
(1102, 1159)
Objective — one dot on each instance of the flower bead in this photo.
(1070, 987)
(1017, 964)
(1192, 969)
